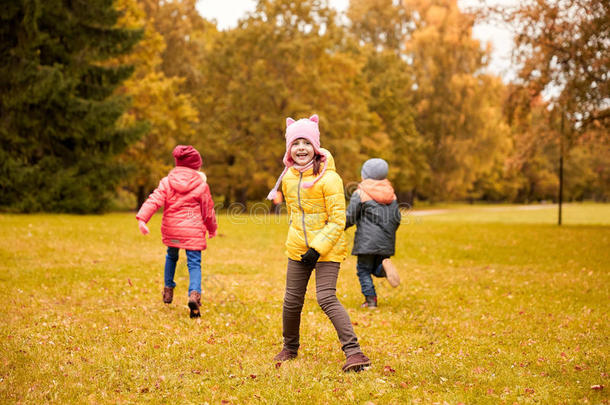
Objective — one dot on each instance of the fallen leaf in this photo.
(597, 387)
(278, 364)
(529, 391)
(129, 281)
(253, 376)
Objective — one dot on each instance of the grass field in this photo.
(497, 305)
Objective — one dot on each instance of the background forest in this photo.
(95, 95)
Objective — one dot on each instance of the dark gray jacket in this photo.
(376, 222)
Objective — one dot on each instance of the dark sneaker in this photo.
(168, 295)
(356, 362)
(284, 355)
(390, 272)
(371, 302)
(194, 304)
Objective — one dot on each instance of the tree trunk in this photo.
(406, 197)
(140, 196)
(227, 200)
(241, 198)
(560, 197)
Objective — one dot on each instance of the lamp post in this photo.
(560, 168)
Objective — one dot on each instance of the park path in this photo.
(422, 213)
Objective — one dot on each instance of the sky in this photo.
(227, 12)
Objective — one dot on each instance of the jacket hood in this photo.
(183, 179)
(330, 165)
(378, 190)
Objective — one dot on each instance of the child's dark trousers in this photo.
(326, 286)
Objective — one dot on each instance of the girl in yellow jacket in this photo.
(316, 206)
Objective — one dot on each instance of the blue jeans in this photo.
(369, 265)
(193, 262)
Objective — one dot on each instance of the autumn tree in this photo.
(187, 36)
(529, 171)
(381, 23)
(287, 59)
(458, 108)
(158, 100)
(381, 27)
(587, 169)
(562, 47)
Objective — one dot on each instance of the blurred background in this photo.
(496, 101)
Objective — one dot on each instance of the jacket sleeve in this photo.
(207, 211)
(353, 210)
(334, 199)
(154, 201)
(288, 212)
(398, 216)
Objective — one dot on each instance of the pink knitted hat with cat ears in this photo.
(307, 129)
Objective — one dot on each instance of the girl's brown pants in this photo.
(297, 278)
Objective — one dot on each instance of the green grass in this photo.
(495, 307)
(572, 214)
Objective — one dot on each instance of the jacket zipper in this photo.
(302, 210)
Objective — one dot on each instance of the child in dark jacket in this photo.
(373, 208)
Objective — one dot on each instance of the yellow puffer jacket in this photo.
(317, 214)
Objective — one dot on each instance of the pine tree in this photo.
(58, 104)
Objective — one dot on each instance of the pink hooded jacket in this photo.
(188, 209)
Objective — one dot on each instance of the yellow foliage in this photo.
(156, 99)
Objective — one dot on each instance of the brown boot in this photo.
(390, 272)
(194, 304)
(284, 355)
(356, 362)
(370, 302)
(168, 295)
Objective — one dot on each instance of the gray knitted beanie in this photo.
(376, 169)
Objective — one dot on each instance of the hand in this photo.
(310, 257)
(143, 227)
(211, 235)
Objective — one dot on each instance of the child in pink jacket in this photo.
(188, 213)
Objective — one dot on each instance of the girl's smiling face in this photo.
(301, 151)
